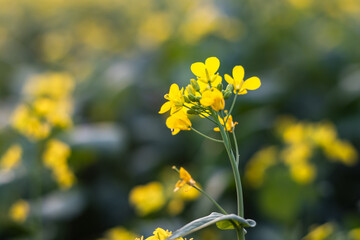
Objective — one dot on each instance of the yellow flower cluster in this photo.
(55, 158)
(205, 95)
(160, 234)
(301, 140)
(48, 104)
(19, 211)
(11, 158)
(147, 198)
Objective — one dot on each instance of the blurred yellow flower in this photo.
(175, 206)
(303, 173)
(207, 73)
(177, 122)
(53, 85)
(354, 234)
(175, 100)
(29, 124)
(161, 234)
(241, 86)
(55, 158)
(19, 211)
(154, 30)
(11, 158)
(185, 179)
(321, 232)
(342, 151)
(214, 98)
(120, 233)
(147, 198)
(258, 164)
(230, 125)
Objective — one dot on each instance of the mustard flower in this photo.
(147, 198)
(19, 211)
(175, 99)
(241, 86)
(229, 126)
(185, 179)
(161, 234)
(207, 73)
(177, 122)
(214, 98)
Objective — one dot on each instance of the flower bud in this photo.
(187, 100)
(227, 94)
(195, 85)
(229, 88)
(192, 98)
(219, 87)
(192, 112)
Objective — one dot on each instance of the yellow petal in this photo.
(174, 91)
(212, 64)
(238, 74)
(184, 175)
(165, 107)
(229, 79)
(175, 109)
(207, 99)
(217, 129)
(252, 83)
(198, 69)
(175, 131)
(216, 81)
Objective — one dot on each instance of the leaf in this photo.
(221, 220)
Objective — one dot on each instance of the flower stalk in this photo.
(205, 97)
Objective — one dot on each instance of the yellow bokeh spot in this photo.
(321, 232)
(354, 234)
(11, 158)
(19, 211)
(147, 198)
(303, 173)
(120, 233)
(55, 158)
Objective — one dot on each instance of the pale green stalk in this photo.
(234, 166)
(206, 136)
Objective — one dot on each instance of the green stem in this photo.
(236, 148)
(206, 136)
(240, 205)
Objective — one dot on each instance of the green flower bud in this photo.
(192, 98)
(227, 95)
(192, 112)
(195, 85)
(219, 87)
(229, 88)
(187, 100)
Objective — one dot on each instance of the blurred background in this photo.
(82, 146)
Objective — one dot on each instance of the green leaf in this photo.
(221, 220)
